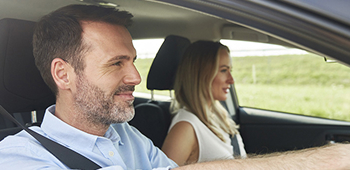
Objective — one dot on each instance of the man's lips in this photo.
(126, 95)
(125, 92)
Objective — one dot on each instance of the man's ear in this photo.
(60, 71)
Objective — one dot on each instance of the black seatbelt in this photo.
(67, 156)
(234, 143)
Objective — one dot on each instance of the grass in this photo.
(301, 84)
(309, 100)
(291, 70)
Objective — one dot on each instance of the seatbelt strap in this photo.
(235, 145)
(67, 156)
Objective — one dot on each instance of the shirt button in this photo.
(111, 153)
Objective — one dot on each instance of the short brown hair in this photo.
(59, 35)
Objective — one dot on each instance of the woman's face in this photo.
(223, 79)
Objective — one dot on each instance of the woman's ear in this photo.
(60, 71)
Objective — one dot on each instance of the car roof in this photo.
(337, 9)
(319, 26)
(151, 19)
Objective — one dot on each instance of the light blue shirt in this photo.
(122, 147)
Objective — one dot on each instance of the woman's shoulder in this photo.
(185, 115)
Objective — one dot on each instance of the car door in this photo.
(287, 101)
(301, 24)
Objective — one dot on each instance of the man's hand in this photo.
(333, 156)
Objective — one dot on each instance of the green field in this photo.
(302, 84)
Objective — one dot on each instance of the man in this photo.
(85, 55)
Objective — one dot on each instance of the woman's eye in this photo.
(224, 70)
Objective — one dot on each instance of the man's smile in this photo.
(125, 95)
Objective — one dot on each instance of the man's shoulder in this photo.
(22, 151)
(21, 140)
(23, 143)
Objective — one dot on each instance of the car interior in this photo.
(24, 94)
(153, 117)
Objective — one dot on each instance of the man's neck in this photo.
(70, 115)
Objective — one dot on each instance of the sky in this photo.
(149, 48)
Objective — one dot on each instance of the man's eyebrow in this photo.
(121, 57)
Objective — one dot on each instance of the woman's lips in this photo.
(226, 90)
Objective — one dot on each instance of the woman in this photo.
(201, 129)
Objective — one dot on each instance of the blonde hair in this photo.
(195, 74)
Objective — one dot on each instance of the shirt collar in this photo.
(57, 130)
(113, 135)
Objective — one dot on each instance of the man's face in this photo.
(104, 90)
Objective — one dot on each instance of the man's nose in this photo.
(132, 76)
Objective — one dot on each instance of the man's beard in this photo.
(99, 108)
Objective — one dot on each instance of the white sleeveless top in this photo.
(210, 146)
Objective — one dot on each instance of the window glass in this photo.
(146, 51)
(284, 79)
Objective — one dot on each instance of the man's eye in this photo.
(117, 63)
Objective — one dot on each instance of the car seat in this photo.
(23, 91)
(153, 118)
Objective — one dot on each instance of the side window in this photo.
(283, 79)
(146, 50)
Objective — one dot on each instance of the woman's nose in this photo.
(230, 79)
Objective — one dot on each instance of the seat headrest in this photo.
(163, 69)
(21, 86)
